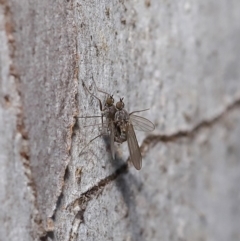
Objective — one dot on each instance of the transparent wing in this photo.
(112, 139)
(141, 124)
(134, 150)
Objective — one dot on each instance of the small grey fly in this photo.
(108, 111)
(124, 123)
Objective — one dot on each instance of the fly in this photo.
(108, 111)
(124, 123)
(120, 126)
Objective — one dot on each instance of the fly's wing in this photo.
(134, 150)
(141, 124)
(112, 139)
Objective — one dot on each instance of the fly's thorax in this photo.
(112, 112)
(121, 116)
(109, 112)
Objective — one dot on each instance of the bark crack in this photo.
(152, 140)
(72, 127)
(75, 114)
(80, 204)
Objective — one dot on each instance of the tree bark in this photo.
(178, 58)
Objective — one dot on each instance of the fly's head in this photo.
(110, 109)
(120, 104)
(110, 101)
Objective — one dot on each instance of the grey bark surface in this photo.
(181, 59)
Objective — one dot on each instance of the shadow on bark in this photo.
(125, 184)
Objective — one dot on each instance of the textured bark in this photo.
(181, 59)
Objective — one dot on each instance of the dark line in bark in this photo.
(87, 196)
(75, 125)
(152, 140)
(75, 114)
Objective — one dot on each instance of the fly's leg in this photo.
(100, 102)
